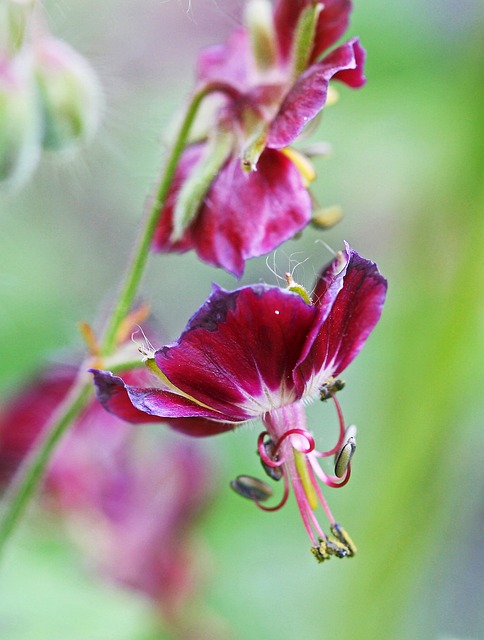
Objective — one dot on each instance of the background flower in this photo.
(131, 504)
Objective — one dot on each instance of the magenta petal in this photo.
(308, 95)
(238, 351)
(200, 427)
(332, 23)
(354, 78)
(112, 394)
(228, 63)
(244, 215)
(135, 404)
(353, 315)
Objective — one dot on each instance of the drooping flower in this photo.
(262, 352)
(238, 191)
(131, 506)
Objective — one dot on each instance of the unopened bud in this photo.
(70, 95)
(19, 121)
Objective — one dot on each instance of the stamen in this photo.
(338, 531)
(329, 388)
(283, 499)
(251, 488)
(297, 432)
(341, 437)
(345, 454)
(271, 465)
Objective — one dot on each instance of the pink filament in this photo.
(262, 452)
(341, 421)
(283, 499)
(296, 432)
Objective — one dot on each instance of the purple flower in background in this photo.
(238, 192)
(131, 505)
(263, 352)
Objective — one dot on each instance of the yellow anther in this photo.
(327, 217)
(302, 163)
(332, 96)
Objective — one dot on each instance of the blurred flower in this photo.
(237, 192)
(132, 508)
(70, 95)
(20, 123)
(262, 352)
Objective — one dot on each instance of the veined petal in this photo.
(136, 404)
(308, 94)
(333, 22)
(243, 215)
(353, 315)
(238, 351)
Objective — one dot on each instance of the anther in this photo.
(321, 551)
(339, 533)
(329, 388)
(343, 458)
(270, 450)
(251, 488)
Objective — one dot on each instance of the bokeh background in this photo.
(407, 169)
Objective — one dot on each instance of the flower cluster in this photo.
(49, 95)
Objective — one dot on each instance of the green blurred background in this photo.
(407, 169)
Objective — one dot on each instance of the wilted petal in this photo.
(243, 215)
(238, 351)
(308, 95)
(353, 315)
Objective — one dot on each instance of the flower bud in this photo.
(70, 95)
(19, 121)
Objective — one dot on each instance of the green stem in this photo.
(140, 257)
(31, 472)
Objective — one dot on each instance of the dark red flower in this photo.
(131, 508)
(236, 193)
(262, 352)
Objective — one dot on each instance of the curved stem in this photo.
(138, 262)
